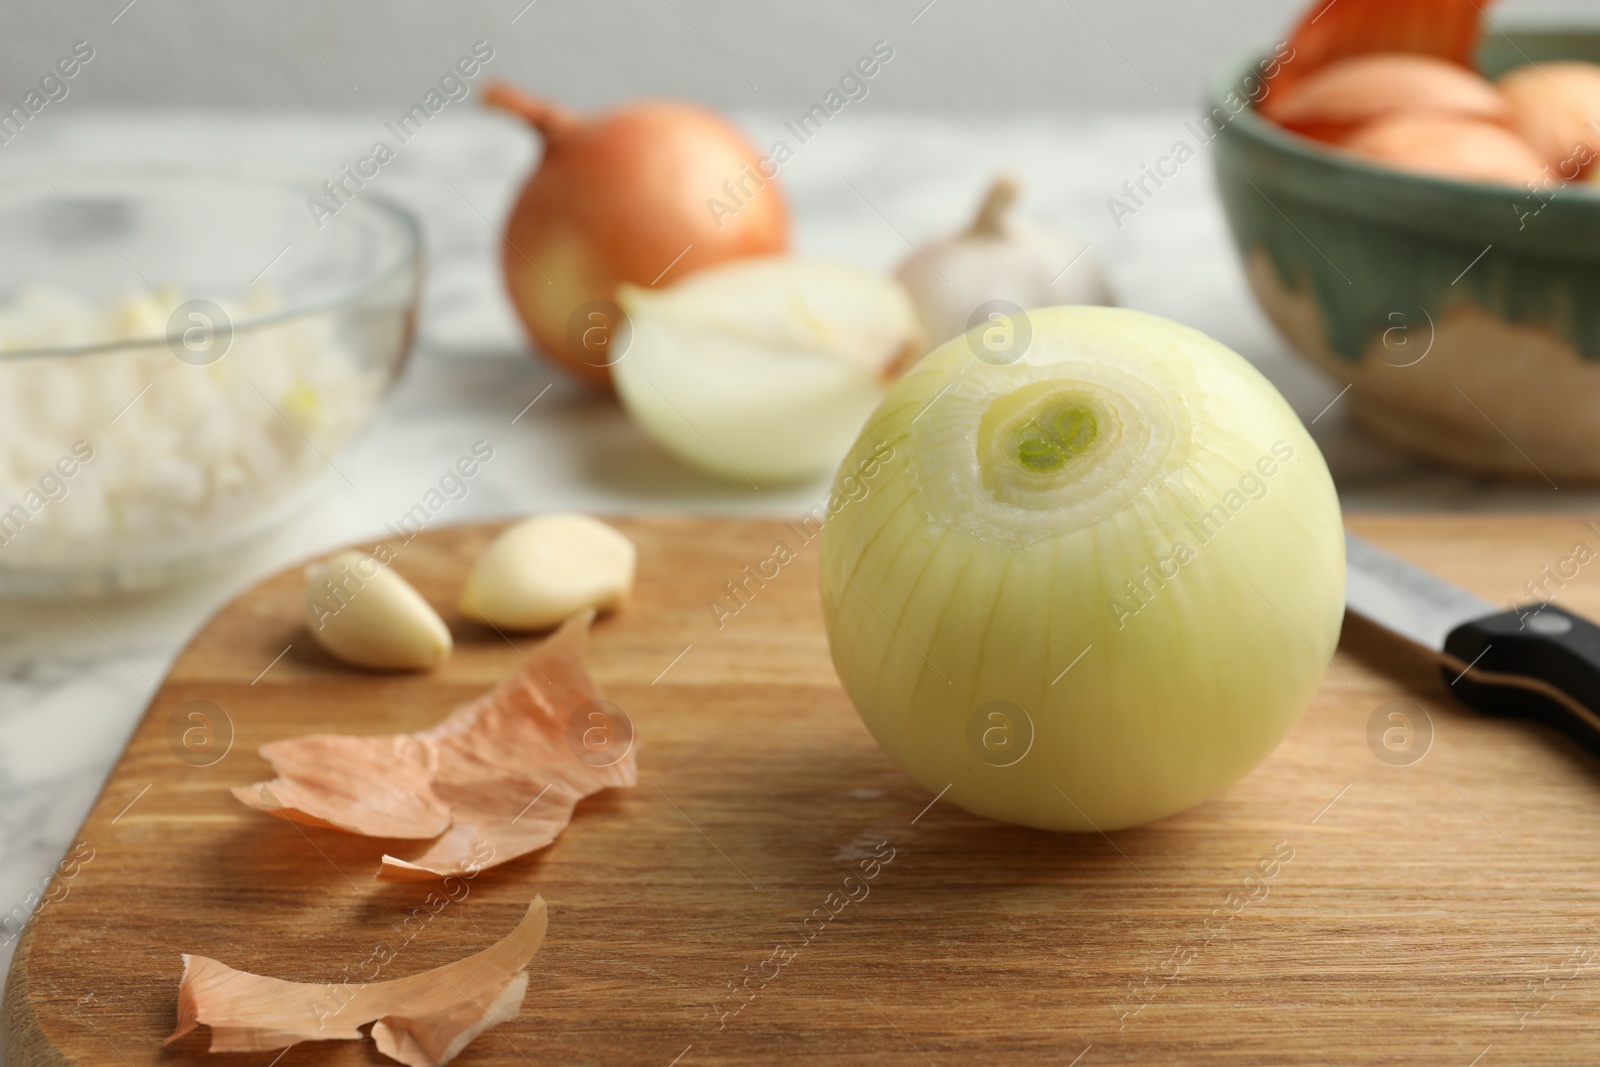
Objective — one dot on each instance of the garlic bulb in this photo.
(543, 570)
(364, 613)
(1106, 582)
(997, 261)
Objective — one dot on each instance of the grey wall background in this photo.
(953, 56)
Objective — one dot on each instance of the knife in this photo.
(1538, 661)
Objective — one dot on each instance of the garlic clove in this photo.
(998, 259)
(365, 614)
(546, 569)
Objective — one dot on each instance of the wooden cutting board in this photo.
(1330, 908)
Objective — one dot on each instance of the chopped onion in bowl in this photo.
(109, 459)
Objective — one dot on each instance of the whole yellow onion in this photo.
(626, 198)
(1098, 577)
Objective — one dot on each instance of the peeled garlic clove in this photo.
(365, 614)
(998, 259)
(546, 569)
(761, 371)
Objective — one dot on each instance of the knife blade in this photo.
(1403, 598)
(1536, 661)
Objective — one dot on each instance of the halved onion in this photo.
(1104, 586)
(763, 370)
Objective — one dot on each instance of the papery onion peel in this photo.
(497, 779)
(423, 1020)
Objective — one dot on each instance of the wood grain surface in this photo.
(1331, 908)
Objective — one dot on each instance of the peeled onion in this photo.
(1557, 111)
(1448, 147)
(1358, 90)
(1106, 583)
(638, 196)
(762, 371)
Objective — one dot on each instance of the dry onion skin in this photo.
(499, 778)
(423, 1020)
(1105, 584)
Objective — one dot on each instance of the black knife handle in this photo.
(1537, 662)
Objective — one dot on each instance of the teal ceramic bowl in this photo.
(1465, 317)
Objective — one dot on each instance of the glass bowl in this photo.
(182, 356)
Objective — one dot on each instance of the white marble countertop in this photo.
(73, 684)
